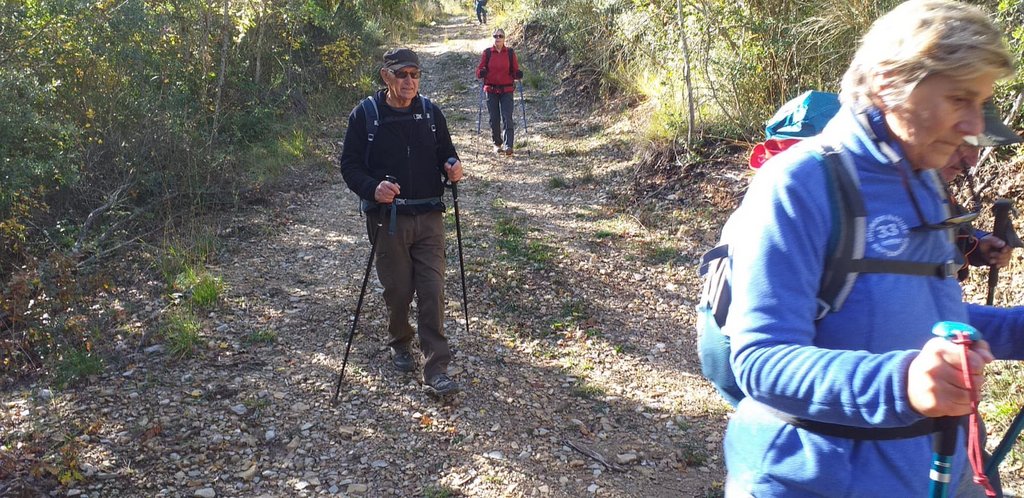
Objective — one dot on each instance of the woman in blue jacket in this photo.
(820, 392)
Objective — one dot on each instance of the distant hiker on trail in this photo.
(481, 11)
(499, 68)
(411, 145)
(847, 401)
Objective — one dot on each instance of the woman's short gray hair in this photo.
(919, 38)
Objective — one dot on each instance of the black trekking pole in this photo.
(943, 449)
(479, 113)
(458, 238)
(362, 292)
(522, 105)
(1001, 229)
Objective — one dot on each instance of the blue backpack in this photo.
(844, 262)
(803, 116)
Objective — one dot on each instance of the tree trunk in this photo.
(686, 72)
(259, 43)
(225, 39)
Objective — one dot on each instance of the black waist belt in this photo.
(920, 428)
(407, 202)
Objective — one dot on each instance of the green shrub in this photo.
(438, 492)
(75, 365)
(206, 291)
(262, 336)
(181, 333)
(533, 79)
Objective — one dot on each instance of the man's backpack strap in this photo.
(373, 120)
(428, 113)
(372, 117)
(369, 105)
(511, 72)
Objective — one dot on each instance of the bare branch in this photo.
(98, 255)
(583, 450)
(112, 200)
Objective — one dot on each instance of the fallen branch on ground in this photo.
(583, 450)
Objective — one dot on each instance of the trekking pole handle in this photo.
(945, 439)
(391, 179)
(1000, 228)
(448, 183)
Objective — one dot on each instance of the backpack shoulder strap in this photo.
(846, 258)
(369, 105)
(428, 113)
(487, 58)
(846, 243)
(510, 71)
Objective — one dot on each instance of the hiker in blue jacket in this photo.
(911, 95)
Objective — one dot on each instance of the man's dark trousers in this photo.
(412, 261)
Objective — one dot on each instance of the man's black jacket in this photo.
(403, 147)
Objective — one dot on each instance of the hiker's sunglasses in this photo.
(499, 36)
(406, 74)
(955, 221)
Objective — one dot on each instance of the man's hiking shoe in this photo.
(442, 385)
(507, 151)
(498, 149)
(402, 359)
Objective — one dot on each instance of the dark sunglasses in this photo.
(407, 74)
(499, 36)
(955, 221)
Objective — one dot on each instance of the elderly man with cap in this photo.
(396, 155)
(980, 248)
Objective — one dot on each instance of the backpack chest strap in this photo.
(940, 270)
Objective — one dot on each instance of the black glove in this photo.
(519, 75)
(483, 73)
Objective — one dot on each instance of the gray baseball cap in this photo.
(996, 133)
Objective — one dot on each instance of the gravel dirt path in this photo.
(579, 370)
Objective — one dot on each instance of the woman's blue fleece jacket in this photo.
(850, 367)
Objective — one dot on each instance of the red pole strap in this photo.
(974, 453)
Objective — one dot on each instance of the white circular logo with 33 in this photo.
(888, 234)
